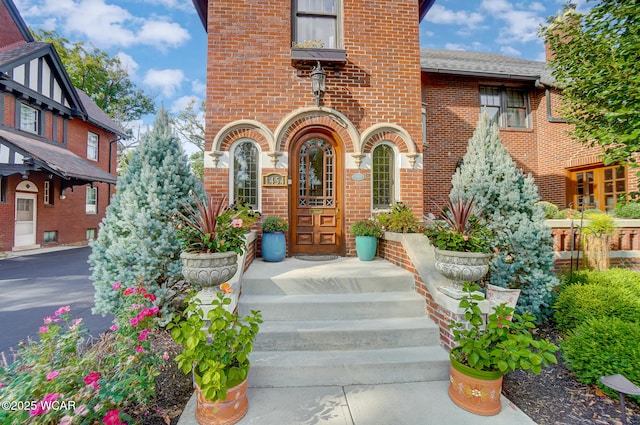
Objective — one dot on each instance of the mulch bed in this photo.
(553, 397)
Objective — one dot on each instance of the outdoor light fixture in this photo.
(318, 78)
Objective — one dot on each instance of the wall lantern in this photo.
(318, 79)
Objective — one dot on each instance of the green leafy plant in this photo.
(400, 219)
(626, 209)
(216, 345)
(501, 343)
(460, 229)
(368, 227)
(550, 210)
(603, 346)
(106, 382)
(210, 226)
(274, 224)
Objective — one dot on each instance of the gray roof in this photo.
(13, 52)
(480, 64)
(59, 160)
(97, 116)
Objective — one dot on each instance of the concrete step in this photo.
(344, 275)
(346, 334)
(334, 306)
(348, 367)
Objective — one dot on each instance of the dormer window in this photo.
(316, 24)
(29, 119)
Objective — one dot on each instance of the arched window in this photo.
(383, 176)
(245, 169)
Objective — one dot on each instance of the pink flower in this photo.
(114, 327)
(50, 319)
(76, 322)
(136, 306)
(134, 321)
(237, 222)
(143, 335)
(116, 286)
(62, 310)
(165, 356)
(2, 385)
(150, 297)
(139, 349)
(43, 329)
(80, 410)
(129, 291)
(92, 379)
(112, 418)
(66, 420)
(45, 405)
(53, 374)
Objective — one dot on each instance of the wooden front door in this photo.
(316, 195)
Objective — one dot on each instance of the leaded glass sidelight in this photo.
(382, 176)
(245, 173)
(317, 174)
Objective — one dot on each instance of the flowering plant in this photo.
(368, 227)
(461, 228)
(501, 343)
(218, 357)
(67, 381)
(210, 226)
(274, 224)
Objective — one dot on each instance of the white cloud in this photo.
(519, 25)
(128, 63)
(185, 5)
(199, 88)
(161, 34)
(508, 50)
(455, 46)
(168, 81)
(441, 15)
(537, 7)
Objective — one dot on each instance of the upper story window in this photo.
(382, 176)
(316, 24)
(245, 169)
(508, 107)
(29, 118)
(92, 146)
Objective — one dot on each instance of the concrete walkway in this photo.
(415, 403)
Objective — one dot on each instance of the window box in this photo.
(329, 58)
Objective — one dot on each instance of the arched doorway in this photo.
(26, 214)
(316, 194)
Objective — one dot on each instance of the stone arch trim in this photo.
(317, 117)
(391, 132)
(250, 129)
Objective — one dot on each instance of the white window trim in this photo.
(37, 119)
(232, 150)
(97, 146)
(397, 164)
(339, 25)
(91, 209)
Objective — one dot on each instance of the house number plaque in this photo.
(274, 179)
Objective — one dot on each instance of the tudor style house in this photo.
(327, 111)
(57, 148)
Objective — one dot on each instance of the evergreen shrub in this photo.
(550, 210)
(601, 347)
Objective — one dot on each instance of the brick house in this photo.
(57, 148)
(524, 100)
(374, 135)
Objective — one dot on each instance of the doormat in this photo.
(317, 257)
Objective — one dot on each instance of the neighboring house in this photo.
(391, 124)
(57, 148)
(524, 99)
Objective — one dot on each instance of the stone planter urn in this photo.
(462, 266)
(206, 270)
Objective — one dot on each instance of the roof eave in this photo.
(201, 8)
(481, 74)
(424, 7)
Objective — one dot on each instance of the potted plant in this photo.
(215, 350)
(274, 243)
(486, 350)
(367, 233)
(212, 235)
(462, 242)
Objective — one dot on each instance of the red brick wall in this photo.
(250, 77)
(9, 32)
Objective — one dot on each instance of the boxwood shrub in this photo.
(594, 294)
(601, 347)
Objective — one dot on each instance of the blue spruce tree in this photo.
(137, 241)
(508, 199)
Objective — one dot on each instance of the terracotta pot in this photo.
(473, 390)
(223, 412)
(208, 269)
(462, 266)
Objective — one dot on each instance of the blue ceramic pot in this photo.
(366, 247)
(274, 246)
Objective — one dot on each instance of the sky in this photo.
(163, 43)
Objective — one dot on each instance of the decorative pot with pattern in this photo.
(474, 390)
(462, 266)
(207, 270)
(223, 412)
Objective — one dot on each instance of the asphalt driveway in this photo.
(34, 286)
